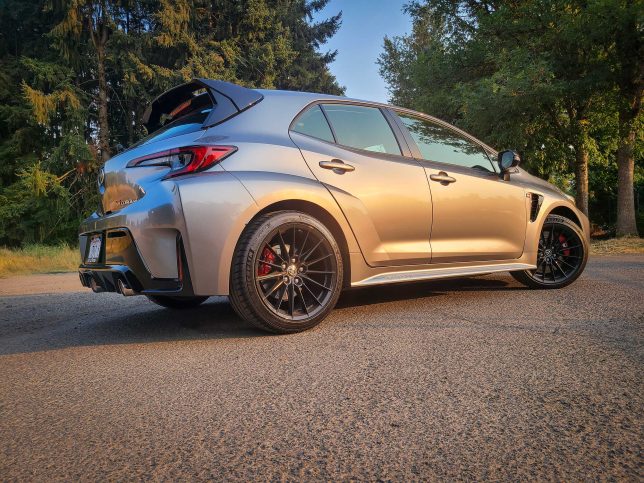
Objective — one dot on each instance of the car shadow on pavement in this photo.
(91, 320)
(417, 290)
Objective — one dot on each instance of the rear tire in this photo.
(287, 272)
(562, 255)
(171, 302)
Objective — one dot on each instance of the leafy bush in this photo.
(35, 209)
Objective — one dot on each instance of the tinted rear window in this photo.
(362, 128)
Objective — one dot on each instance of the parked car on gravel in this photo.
(280, 200)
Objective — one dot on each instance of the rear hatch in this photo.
(175, 119)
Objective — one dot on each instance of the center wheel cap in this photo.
(291, 270)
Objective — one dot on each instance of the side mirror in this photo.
(507, 160)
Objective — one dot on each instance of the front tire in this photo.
(561, 256)
(287, 272)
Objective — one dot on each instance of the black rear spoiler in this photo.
(230, 99)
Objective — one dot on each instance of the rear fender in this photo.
(217, 207)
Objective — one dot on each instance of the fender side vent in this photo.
(535, 205)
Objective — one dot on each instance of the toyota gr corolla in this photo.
(280, 200)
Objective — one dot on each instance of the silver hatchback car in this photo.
(280, 200)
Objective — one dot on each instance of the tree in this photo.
(91, 19)
(629, 72)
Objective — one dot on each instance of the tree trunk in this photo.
(103, 122)
(581, 176)
(626, 224)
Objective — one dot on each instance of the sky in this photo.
(365, 23)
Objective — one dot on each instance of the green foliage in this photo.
(35, 208)
(50, 94)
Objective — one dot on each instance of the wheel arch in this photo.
(326, 218)
(566, 212)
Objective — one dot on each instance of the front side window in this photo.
(438, 143)
(362, 128)
(313, 123)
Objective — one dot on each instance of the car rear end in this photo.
(135, 242)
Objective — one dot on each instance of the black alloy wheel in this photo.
(287, 273)
(561, 255)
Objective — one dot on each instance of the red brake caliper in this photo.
(267, 256)
(564, 243)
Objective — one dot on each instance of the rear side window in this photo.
(438, 143)
(362, 128)
(313, 123)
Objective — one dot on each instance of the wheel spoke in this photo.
(277, 285)
(320, 272)
(306, 309)
(564, 261)
(270, 276)
(312, 294)
(262, 262)
(318, 260)
(310, 252)
(291, 300)
(293, 242)
(281, 297)
(317, 283)
(283, 247)
(560, 269)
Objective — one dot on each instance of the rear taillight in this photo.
(186, 160)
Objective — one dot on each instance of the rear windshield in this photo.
(187, 117)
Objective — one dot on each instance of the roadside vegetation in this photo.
(615, 246)
(38, 259)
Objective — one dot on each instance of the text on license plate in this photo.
(94, 249)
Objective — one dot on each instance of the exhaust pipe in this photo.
(123, 289)
(96, 288)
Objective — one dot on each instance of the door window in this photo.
(438, 143)
(362, 128)
(313, 123)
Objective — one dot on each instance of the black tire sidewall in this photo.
(250, 243)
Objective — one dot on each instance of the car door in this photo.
(477, 215)
(352, 149)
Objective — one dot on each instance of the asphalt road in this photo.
(471, 379)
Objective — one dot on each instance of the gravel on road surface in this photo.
(470, 379)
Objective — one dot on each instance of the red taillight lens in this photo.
(186, 160)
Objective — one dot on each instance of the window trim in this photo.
(487, 150)
(405, 151)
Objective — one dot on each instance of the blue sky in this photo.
(359, 42)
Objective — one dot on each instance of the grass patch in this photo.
(38, 259)
(615, 246)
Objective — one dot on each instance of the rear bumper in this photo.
(121, 269)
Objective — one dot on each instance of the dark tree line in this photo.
(76, 75)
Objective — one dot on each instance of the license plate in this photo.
(94, 249)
